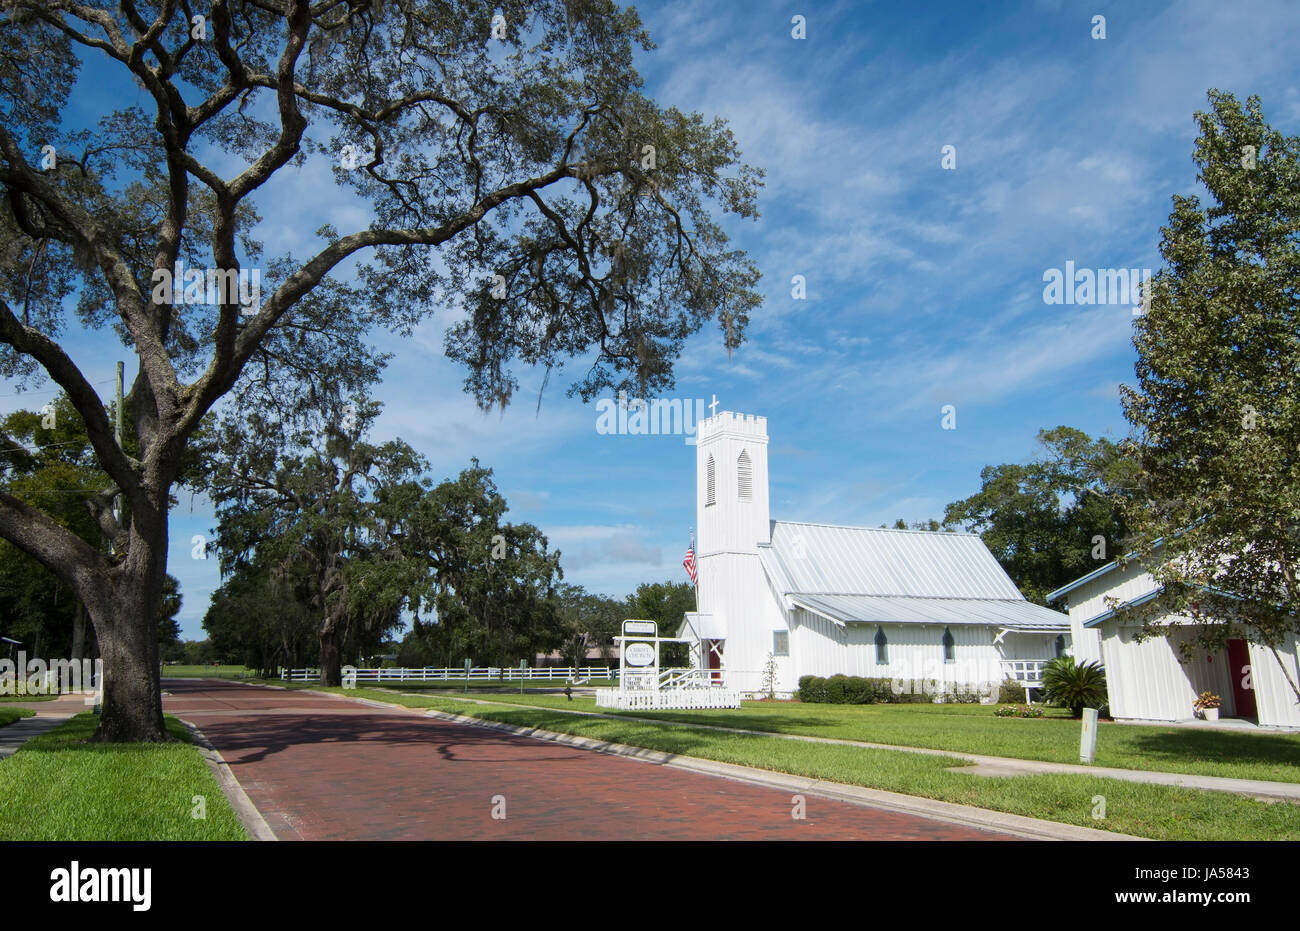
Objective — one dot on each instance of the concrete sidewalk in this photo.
(1257, 789)
(49, 715)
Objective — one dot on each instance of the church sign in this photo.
(639, 654)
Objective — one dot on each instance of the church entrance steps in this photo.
(1257, 789)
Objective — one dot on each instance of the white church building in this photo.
(1152, 680)
(927, 610)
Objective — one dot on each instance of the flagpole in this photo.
(695, 582)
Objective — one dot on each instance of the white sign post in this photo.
(639, 684)
(1088, 740)
(638, 660)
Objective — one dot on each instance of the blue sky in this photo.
(924, 285)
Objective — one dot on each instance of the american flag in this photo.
(689, 562)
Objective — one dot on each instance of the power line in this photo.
(41, 394)
(30, 449)
(57, 491)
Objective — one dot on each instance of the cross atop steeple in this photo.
(713, 408)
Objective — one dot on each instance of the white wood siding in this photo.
(1089, 600)
(1274, 698)
(1147, 681)
(825, 648)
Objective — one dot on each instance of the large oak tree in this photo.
(1054, 518)
(513, 169)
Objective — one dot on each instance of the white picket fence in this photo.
(556, 674)
(674, 698)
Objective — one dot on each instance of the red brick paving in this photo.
(324, 768)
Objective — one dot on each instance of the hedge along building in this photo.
(1151, 680)
(930, 610)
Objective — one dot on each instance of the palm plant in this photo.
(1074, 685)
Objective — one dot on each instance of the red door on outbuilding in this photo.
(1239, 670)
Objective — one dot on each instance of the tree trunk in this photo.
(132, 697)
(78, 632)
(331, 668)
(126, 625)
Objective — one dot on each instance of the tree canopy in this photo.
(1216, 408)
(511, 171)
(1055, 518)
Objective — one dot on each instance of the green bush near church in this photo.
(1074, 685)
(855, 690)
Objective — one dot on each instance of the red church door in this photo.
(715, 659)
(1239, 669)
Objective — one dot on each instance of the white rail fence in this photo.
(557, 674)
(1028, 672)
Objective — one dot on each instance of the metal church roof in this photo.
(868, 575)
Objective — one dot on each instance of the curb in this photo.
(245, 810)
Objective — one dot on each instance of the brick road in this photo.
(326, 768)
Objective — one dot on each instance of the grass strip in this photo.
(58, 786)
(974, 729)
(10, 715)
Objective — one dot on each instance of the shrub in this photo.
(812, 689)
(835, 689)
(917, 697)
(859, 691)
(1074, 685)
(1010, 692)
(1019, 711)
(961, 694)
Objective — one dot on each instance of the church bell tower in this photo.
(731, 506)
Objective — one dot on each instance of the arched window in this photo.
(949, 647)
(711, 484)
(1060, 644)
(744, 476)
(882, 647)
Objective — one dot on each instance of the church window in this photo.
(711, 484)
(882, 647)
(745, 476)
(949, 647)
(780, 643)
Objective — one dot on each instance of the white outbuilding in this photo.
(927, 610)
(1152, 680)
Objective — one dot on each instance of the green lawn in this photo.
(59, 787)
(10, 715)
(1153, 811)
(207, 672)
(975, 729)
(27, 698)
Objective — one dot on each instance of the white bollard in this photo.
(1088, 739)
